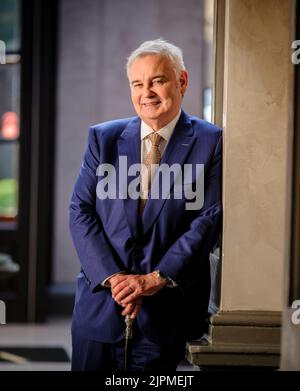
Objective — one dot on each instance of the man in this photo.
(145, 257)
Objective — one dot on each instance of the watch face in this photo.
(164, 277)
(161, 275)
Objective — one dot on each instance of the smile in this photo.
(151, 104)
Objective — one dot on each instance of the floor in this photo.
(55, 333)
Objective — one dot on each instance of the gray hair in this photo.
(161, 47)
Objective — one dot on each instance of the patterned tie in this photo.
(153, 157)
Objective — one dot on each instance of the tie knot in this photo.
(155, 139)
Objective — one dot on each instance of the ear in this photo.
(183, 79)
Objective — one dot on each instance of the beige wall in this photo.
(257, 137)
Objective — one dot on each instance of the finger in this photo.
(128, 309)
(119, 288)
(124, 294)
(130, 297)
(121, 285)
(117, 280)
(126, 278)
(136, 308)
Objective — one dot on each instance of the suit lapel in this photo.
(129, 145)
(178, 148)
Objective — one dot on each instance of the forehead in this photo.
(149, 65)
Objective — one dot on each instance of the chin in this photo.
(151, 116)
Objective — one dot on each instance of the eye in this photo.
(137, 85)
(158, 81)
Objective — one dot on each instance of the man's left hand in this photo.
(133, 286)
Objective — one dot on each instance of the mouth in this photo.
(151, 104)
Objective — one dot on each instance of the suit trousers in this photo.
(143, 354)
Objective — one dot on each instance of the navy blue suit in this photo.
(109, 237)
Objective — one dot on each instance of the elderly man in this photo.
(146, 256)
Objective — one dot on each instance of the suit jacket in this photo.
(109, 237)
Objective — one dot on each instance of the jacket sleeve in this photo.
(97, 257)
(183, 260)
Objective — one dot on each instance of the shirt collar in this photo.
(165, 132)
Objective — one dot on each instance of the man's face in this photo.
(156, 92)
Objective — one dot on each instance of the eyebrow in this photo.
(135, 81)
(155, 77)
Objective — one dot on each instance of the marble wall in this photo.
(257, 139)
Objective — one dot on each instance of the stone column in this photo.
(257, 98)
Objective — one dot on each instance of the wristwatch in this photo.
(163, 277)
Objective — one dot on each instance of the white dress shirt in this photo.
(166, 133)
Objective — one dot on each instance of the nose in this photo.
(148, 92)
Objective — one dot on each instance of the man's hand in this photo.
(131, 308)
(128, 287)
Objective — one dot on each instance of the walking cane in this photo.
(128, 336)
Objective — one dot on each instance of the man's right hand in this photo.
(132, 308)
